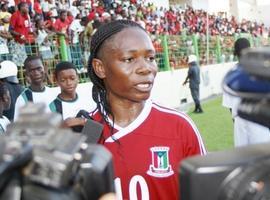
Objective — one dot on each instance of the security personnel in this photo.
(193, 77)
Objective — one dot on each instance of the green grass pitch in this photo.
(215, 125)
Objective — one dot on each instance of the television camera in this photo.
(241, 173)
(40, 160)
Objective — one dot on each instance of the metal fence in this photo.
(172, 52)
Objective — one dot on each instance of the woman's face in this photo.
(127, 65)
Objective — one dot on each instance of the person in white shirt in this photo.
(4, 37)
(76, 28)
(69, 102)
(74, 8)
(37, 92)
(44, 42)
(5, 101)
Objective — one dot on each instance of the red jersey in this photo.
(147, 153)
(20, 24)
(37, 7)
(61, 26)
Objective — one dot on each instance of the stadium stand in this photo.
(176, 32)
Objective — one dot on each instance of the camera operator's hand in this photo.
(73, 121)
(108, 196)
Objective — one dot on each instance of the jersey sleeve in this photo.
(193, 142)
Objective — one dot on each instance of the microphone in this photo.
(92, 129)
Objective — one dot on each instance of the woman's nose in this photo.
(145, 66)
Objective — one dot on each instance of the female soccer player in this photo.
(147, 141)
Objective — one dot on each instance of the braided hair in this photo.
(104, 33)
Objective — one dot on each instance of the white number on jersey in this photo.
(137, 179)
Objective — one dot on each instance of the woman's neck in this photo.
(126, 113)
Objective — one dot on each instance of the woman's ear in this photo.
(98, 68)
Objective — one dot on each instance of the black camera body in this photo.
(219, 175)
(241, 173)
(48, 162)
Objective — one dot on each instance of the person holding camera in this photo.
(245, 132)
(147, 141)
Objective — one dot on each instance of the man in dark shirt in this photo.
(8, 75)
(193, 77)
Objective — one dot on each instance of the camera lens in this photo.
(251, 182)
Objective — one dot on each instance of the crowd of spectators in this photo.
(34, 26)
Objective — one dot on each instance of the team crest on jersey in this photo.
(160, 166)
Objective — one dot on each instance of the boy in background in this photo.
(37, 92)
(68, 103)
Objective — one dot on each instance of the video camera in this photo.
(40, 160)
(241, 173)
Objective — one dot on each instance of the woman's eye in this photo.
(151, 58)
(128, 60)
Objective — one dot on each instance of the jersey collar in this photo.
(132, 126)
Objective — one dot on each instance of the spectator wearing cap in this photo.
(193, 77)
(8, 76)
